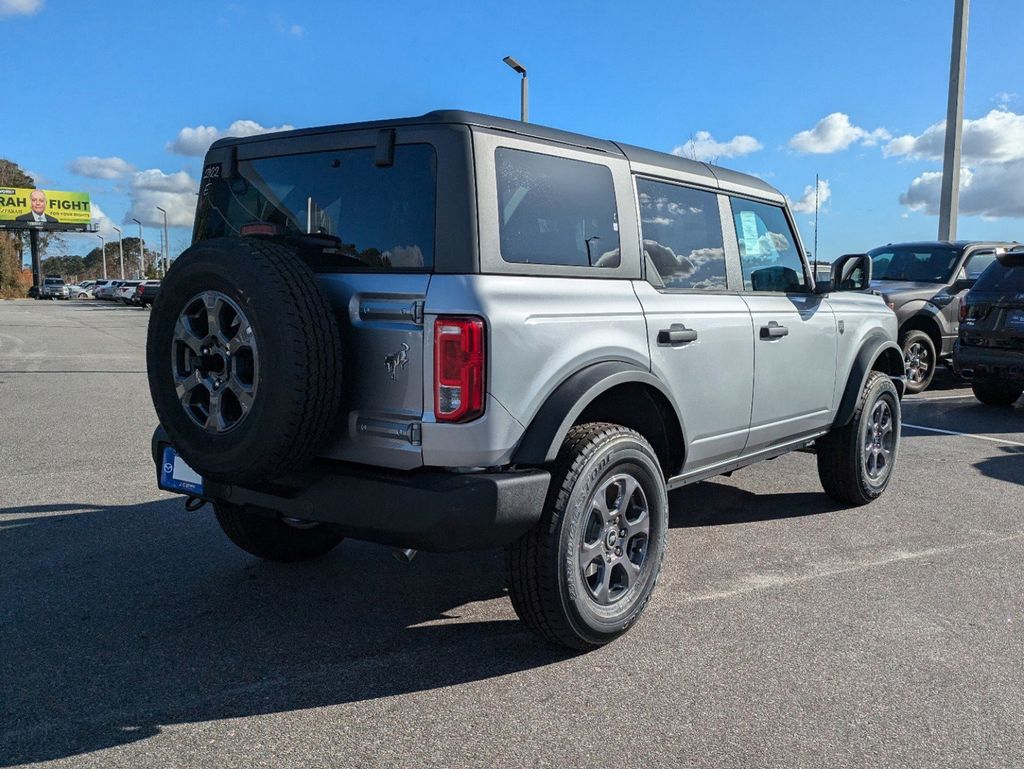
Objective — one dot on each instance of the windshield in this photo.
(925, 264)
(378, 218)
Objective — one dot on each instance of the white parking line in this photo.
(965, 435)
(927, 398)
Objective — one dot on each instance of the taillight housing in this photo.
(459, 368)
(963, 311)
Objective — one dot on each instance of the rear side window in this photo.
(682, 235)
(554, 210)
(998, 278)
(769, 254)
(382, 218)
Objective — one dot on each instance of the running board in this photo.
(735, 464)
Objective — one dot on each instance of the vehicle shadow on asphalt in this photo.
(716, 504)
(1009, 466)
(118, 620)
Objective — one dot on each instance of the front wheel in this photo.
(919, 358)
(856, 461)
(582, 576)
(997, 393)
(275, 539)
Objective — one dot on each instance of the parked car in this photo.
(924, 283)
(552, 332)
(80, 291)
(125, 293)
(146, 293)
(53, 288)
(989, 352)
(105, 289)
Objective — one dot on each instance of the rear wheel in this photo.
(275, 539)
(919, 359)
(997, 393)
(584, 574)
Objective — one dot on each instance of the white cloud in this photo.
(195, 141)
(174, 192)
(992, 191)
(998, 137)
(106, 226)
(296, 30)
(834, 133)
(805, 205)
(702, 146)
(20, 7)
(101, 168)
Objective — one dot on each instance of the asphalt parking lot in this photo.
(785, 631)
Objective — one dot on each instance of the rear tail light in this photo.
(458, 369)
(963, 311)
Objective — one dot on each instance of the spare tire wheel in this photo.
(244, 360)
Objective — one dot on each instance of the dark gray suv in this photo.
(457, 331)
(924, 283)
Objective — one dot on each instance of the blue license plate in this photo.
(177, 476)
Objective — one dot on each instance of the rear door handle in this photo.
(676, 334)
(773, 331)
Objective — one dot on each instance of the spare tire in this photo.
(244, 360)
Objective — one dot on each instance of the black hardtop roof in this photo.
(960, 244)
(462, 117)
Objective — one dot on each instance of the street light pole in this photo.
(120, 248)
(103, 254)
(524, 113)
(166, 250)
(142, 253)
(949, 201)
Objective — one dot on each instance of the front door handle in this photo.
(773, 331)
(676, 334)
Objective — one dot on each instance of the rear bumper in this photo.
(982, 364)
(433, 511)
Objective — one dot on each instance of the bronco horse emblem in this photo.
(397, 360)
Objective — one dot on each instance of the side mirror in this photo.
(962, 284)
(850, 272)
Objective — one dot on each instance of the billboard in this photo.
(20, 207)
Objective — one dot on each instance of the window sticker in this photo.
(751, 241)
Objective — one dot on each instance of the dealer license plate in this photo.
(177, 476)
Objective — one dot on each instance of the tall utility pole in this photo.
(120, 248)
(815, 218)
(949, 202)
(103, 255)
(142, 253)
(524, 108)
(165, 250)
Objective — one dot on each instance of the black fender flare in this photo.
(547, 430)
(873, 347)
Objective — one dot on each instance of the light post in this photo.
(166, 250)
(142, 253)
(949, 193)
(523, 88)
(120, 248)
(103, 254)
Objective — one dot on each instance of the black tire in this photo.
(997, 393)
(295, 396)
(546, 573)
(919, 359)
(273, 539)
(844, 467)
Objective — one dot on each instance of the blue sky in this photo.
(851, 91)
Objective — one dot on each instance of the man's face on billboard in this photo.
(38, 202)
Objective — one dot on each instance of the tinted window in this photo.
(978, 263)
(928, 264)
(554, 210)
(999, 278)
(769, 252)
(682, 235)
(382, 218)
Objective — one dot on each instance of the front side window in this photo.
(554, 210)
(978, 262)
(682, 235)
(371, 218)
(769, 253)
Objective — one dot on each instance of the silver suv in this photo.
(458, 331)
